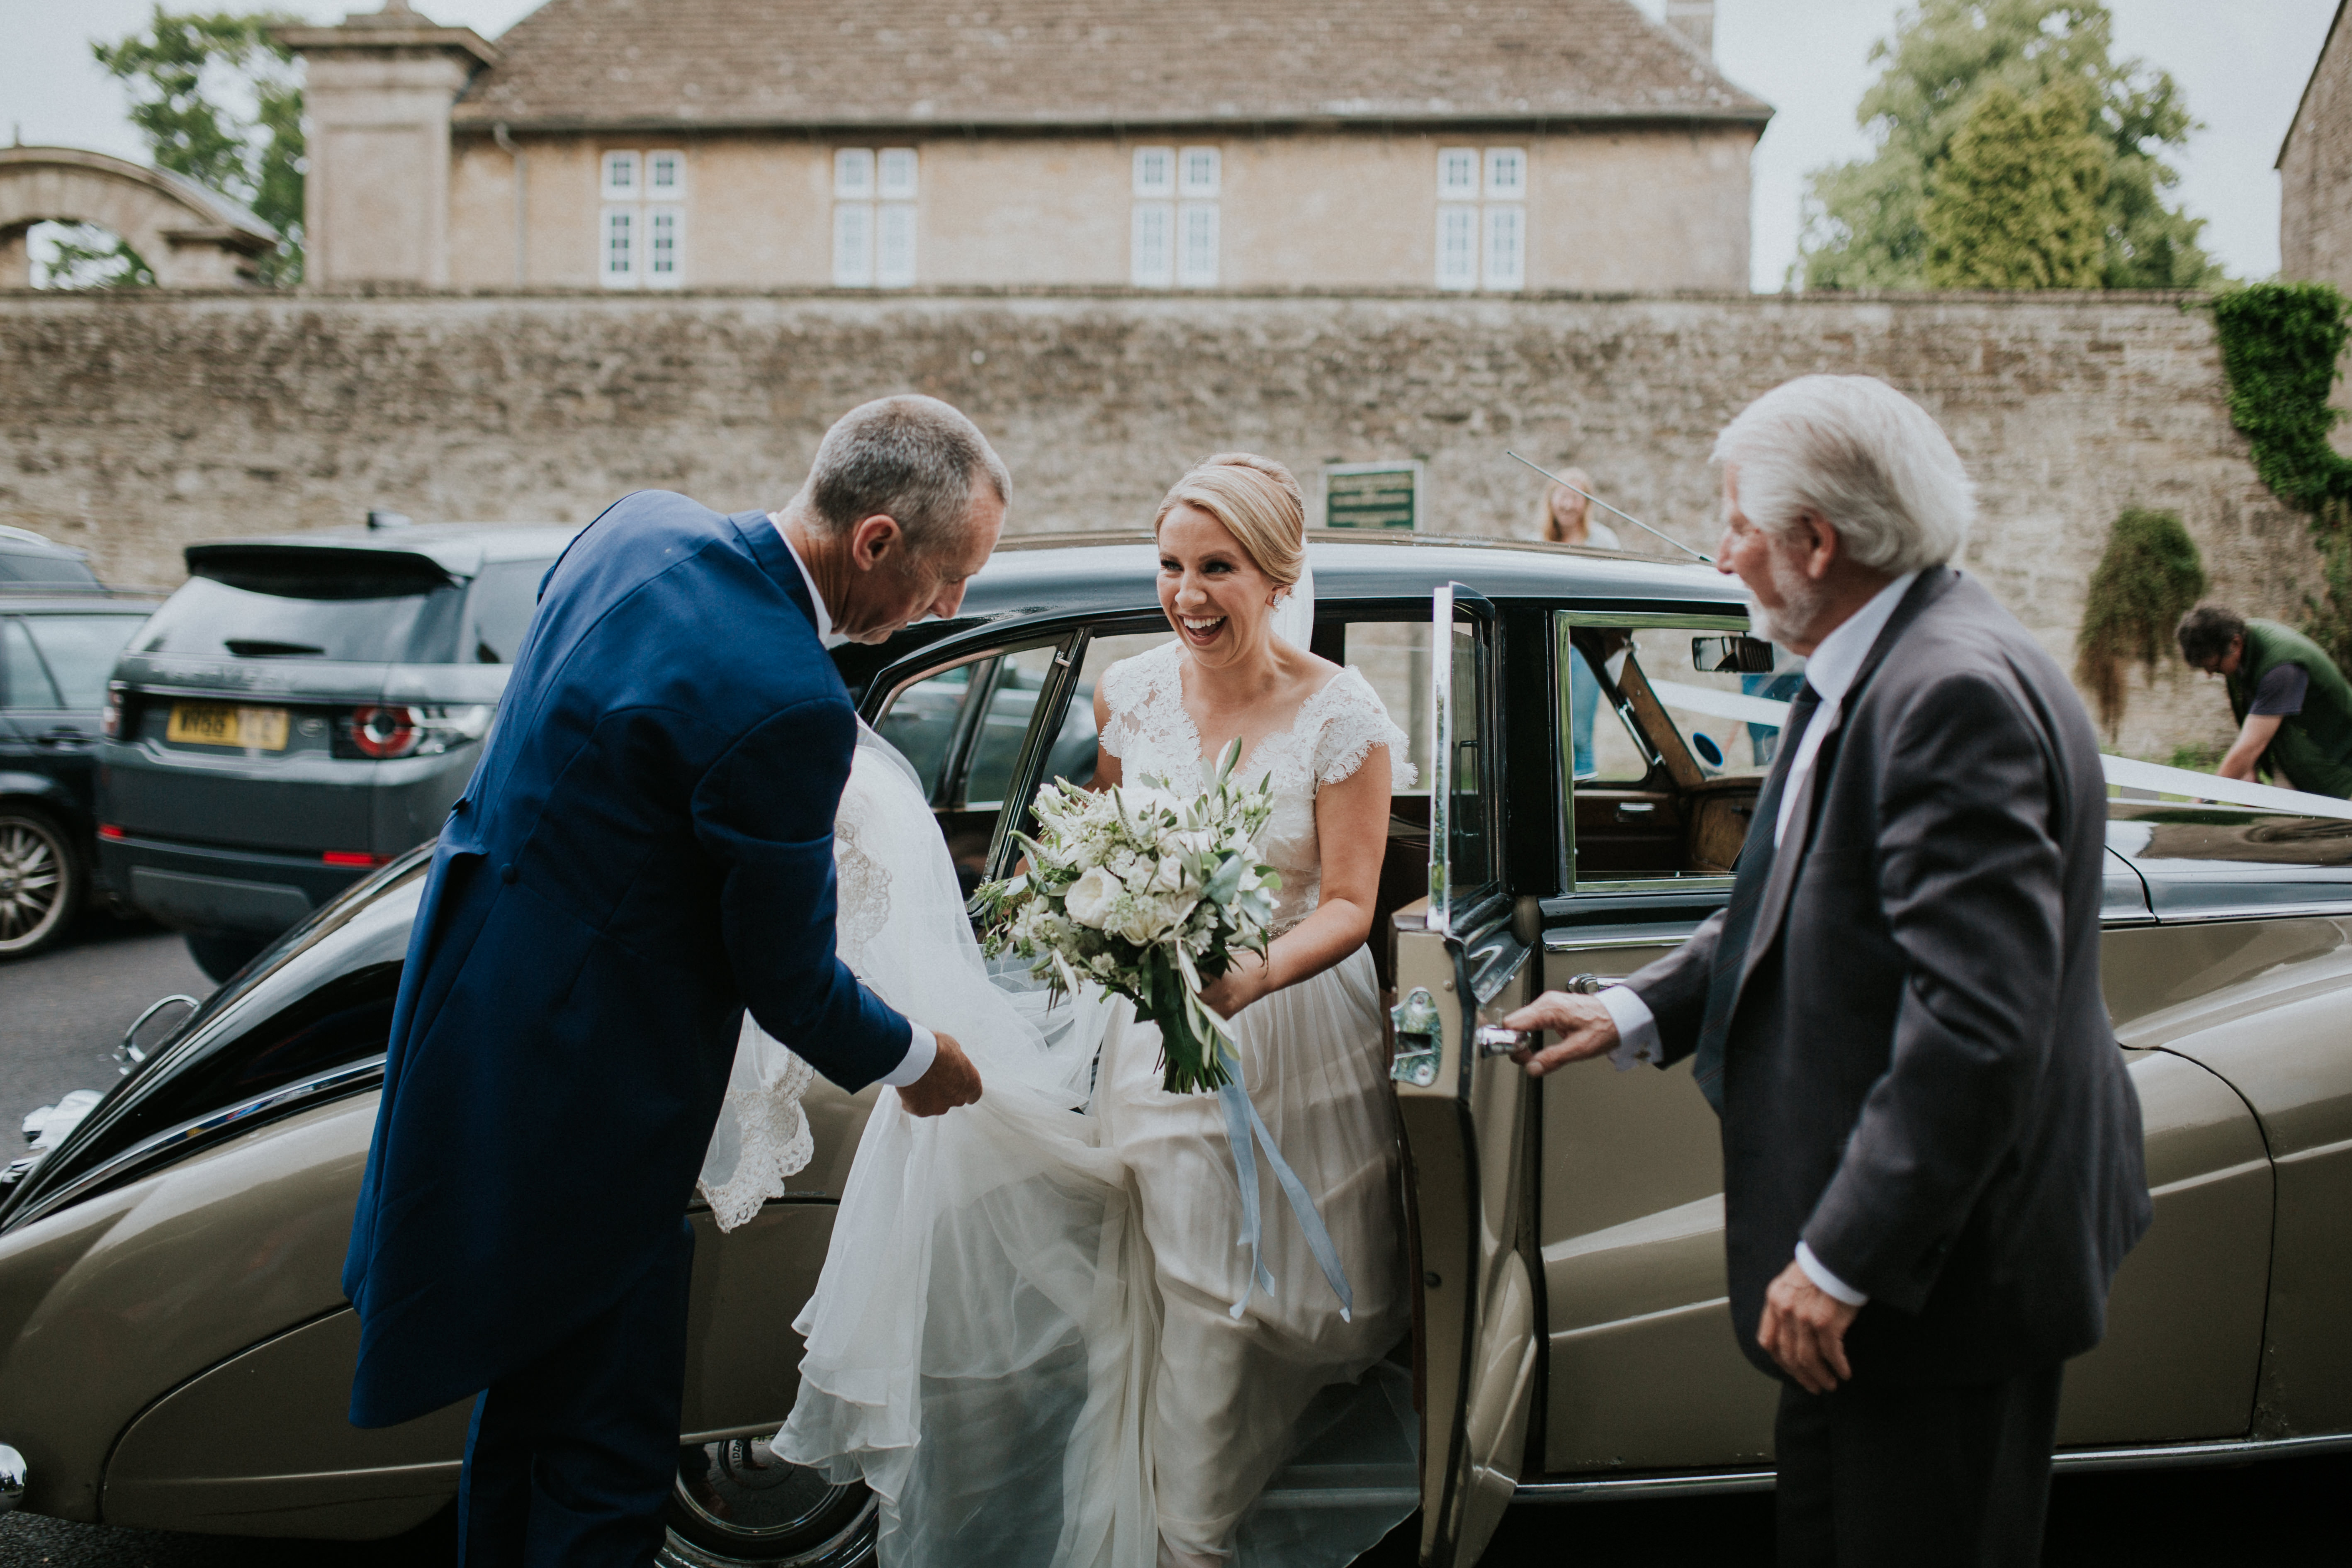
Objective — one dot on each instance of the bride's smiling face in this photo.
(1218, 599)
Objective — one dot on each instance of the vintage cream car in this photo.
(175, 1352)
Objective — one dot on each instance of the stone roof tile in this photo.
(1015, 63)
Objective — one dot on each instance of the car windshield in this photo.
(402, 622)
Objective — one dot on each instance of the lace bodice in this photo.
(1153, 737)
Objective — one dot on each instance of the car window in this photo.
(80, 651)
(1012, 703)
(1393, 656)
(24, 680)
(1663, 747)
(1074, 757)
(498, 609)
(30, 566)
(314, 616)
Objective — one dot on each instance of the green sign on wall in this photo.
(1371, 495)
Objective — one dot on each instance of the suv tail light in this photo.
(110, 717)
(382, 731)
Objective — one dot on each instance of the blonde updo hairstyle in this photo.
(1257, 500)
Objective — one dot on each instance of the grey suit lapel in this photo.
(1932, 586)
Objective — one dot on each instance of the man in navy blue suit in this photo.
(644, 850)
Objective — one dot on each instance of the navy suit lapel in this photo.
(1932, 586)
(766, 543)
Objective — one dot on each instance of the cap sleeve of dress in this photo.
(1353, 723)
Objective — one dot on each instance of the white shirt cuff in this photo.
(921, 1047)
(1637, 1028)
(1830, 1285)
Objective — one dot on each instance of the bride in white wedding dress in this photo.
(1035, 1336)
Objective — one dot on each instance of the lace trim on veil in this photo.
(762, 1138)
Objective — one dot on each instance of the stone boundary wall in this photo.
(132, 425)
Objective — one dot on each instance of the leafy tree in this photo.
(2146, 579)
(218, 100)
(2017, 203)
(1866, 221)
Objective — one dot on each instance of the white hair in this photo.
(1867, 459)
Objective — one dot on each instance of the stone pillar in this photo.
(377, 92)
(1695, 20)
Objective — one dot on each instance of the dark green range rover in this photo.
(301, 711)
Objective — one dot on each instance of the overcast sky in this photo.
(2241, 63)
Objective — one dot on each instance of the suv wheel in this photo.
(736, 1504)
(42, 882)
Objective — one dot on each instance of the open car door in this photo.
(1462, 1104)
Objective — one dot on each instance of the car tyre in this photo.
(737, 1505)
(43, 882)
(220, 955)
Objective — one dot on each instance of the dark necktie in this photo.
(1749, 877)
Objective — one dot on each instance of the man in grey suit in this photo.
(1931, 1150)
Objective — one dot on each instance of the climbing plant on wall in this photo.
(2280, 346)
(2146, 579)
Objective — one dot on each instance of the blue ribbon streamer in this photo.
(1241, 1120)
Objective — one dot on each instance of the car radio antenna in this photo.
(1596, 500)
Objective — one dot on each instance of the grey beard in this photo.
(1800, 602)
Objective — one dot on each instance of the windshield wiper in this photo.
(263, 647)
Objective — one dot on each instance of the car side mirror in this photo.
(1738, 654)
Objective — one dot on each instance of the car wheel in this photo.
(736, 1503)
(221, 956)
(42, 882)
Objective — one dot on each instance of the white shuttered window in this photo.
(1507, 246)
(1152, 246)
(1482, 218)
(1174, 244)
(618, 261)
(1196, 245)
(1458, 246)
(665, 247)
(874, 230)
(641, 227)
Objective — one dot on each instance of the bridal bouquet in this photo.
(1148, 894)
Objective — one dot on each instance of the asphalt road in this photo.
(61, 1014)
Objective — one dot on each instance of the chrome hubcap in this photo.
(32, 884)
(748, 1505)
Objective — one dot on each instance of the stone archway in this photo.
(192, 237)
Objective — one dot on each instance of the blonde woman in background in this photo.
(1565, 518)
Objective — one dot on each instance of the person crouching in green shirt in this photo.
(2293, 704)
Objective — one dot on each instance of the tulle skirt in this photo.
(1021, 1338)
(1227, 1397)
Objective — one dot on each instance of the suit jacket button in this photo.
(510, 873)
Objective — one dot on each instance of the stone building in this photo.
(1498, 145)
(2315, 166)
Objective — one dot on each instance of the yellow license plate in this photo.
(219, 724)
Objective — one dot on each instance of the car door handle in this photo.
(1593, 985)
(1494, 1040)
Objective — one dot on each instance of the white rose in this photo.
(1090, 899)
